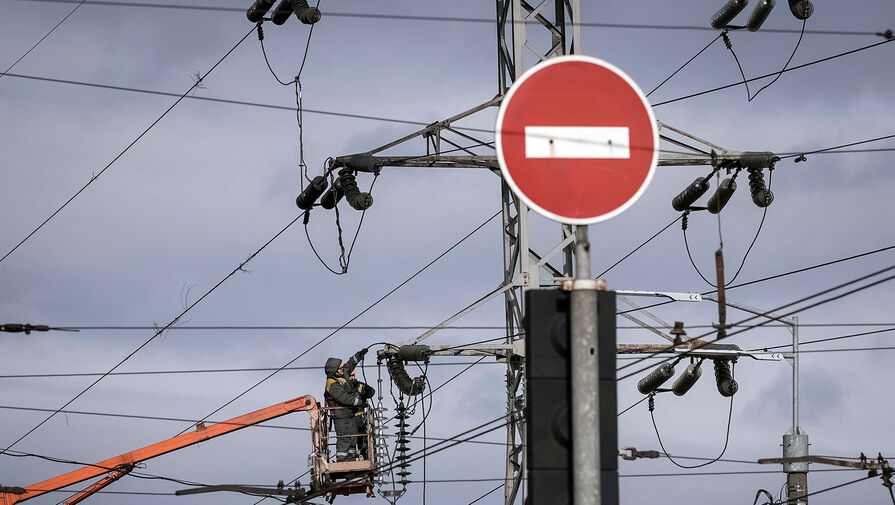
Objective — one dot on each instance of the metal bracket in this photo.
(583, 284)
(631, 453)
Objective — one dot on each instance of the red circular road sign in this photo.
(576, 139)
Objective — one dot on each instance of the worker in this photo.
(364, 391)
(346, 403)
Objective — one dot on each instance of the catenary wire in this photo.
(775, 310)
(736, 274)
(750, 97)
(829, 339)
(461, 19)
(22, 57)
(685, 64)
(478, 480)
(136, 474)
(671, 458)
(640, 246)
(487, 494)
(127, 148)
(193, 422)
(638, 402)
(409, 327)
(830, 150)
(466, 363)
(795, 311)
(831, 488)
(741, 472)
(462, 363)
(359, 314)
(773, 277)
(239, 268)
(797, 67)
(217, 370)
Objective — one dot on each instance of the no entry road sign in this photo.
(576, 139)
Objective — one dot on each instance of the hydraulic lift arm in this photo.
(117, 467)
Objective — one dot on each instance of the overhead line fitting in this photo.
(801, 9)
(395, 365)
(28, 328)
(752, 161)
(345, 185)
(306, 14)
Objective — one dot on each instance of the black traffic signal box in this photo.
(548, 390)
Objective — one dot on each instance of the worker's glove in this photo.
(366, 392)
(359, 355)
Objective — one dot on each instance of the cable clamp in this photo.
(583, 285)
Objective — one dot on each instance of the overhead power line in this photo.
(835, 148)
(79, 4)
(772, 74)
(173, 419)
(205, 371)
(830, 339)
(776, 310)
(278, 327)
(776, 276)
(222, 100)
(127, 148)
(828, 150)
(239, 268)
(257, 327)
(359, 314)
(456, 19)
(468, 364)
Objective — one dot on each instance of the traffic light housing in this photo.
(549, 403)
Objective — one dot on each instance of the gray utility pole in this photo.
(585, 378)
(795, 440)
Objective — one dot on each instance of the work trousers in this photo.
(346, 444)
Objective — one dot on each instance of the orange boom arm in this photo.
(120, 465)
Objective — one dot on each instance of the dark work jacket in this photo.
(339, 390)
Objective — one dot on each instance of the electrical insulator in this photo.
(722, 195)
(759, 14)
(417, 352)
(258, 9)
(282, 12)
(726, 13)
(332, 195)
(304, 13)
(727, 386)
(758, 159)
(801, 9)
(687, 379)
(363, 163)
(685, 198)
(311, 193)
(656, 378)
(355, 197)
(761, 195)
(401, 448)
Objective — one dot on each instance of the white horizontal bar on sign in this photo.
(577, 142)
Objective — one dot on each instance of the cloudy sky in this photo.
(212, 182)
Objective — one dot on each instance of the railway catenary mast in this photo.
(522, 30)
